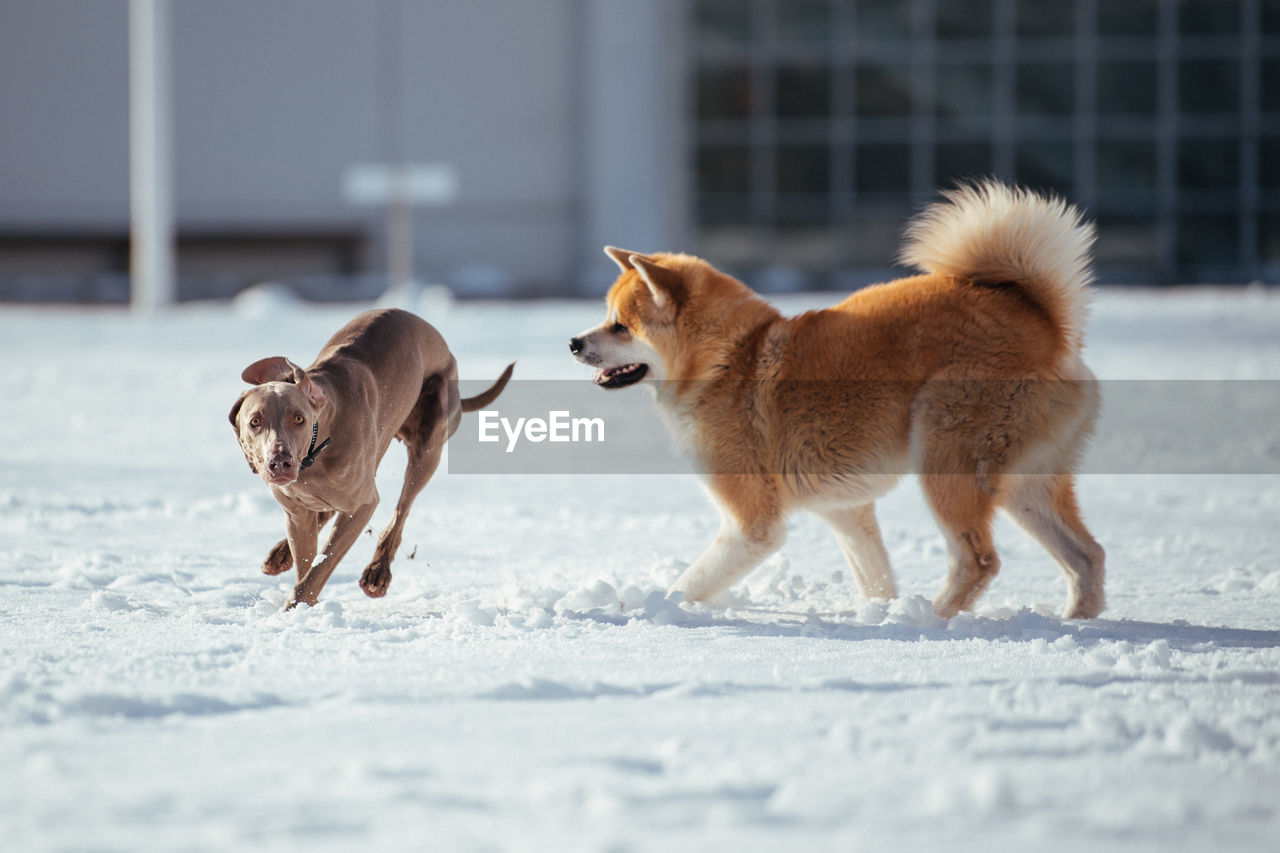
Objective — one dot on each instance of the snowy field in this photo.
(524, 686)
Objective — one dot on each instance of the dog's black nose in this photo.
(575, 345)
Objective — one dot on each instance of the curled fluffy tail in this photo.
(987, 231)
(484, 398)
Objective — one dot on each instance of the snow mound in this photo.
(265, 300)
(430, 301)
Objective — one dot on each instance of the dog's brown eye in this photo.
(619, 329)
(298, 419)
(255, 422)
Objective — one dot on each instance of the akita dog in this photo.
(968, 374)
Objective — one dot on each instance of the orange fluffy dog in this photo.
(969, 374)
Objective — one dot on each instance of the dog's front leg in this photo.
(301, 529)
(280, 558)
(858, 535)
(752, 528)
(732, 554)
(346, 530)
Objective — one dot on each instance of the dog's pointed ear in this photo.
(663, 283)
(621, 257)
(274, 369)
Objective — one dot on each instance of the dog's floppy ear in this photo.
(315, 394)
(234, 417)
(621, 257)
(274, 369)
(663, 283)
(280, 369)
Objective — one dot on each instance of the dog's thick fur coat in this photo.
(968, 374)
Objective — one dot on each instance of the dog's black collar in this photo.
(313, 451)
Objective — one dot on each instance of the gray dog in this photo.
(386, 374)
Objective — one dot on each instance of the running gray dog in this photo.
(386, 374)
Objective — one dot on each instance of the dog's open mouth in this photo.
(620, 377)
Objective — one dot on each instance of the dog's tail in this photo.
(990, 232)
(479, 401)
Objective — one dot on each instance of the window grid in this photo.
(1120, 122)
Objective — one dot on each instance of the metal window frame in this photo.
(846, 52)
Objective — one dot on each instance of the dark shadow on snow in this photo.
(1024, 626)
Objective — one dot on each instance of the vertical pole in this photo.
(150, 166)
(399, 227)
(1085, 120)
(630, 151)
(1249, 196)
(391, 69)
(1167, 266)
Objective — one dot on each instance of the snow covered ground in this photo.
(525, 686)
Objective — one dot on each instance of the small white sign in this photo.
(416, 183)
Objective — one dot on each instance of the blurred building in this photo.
(786, 140)
(819, 125)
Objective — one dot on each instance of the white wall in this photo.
(557, 114)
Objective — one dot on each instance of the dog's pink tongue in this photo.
(600, 374)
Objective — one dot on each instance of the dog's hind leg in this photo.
(964, 511)
(423, 462)
(964, 434)
(280, 558)
(1045, 506)
(424, 433)
(858, 535)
